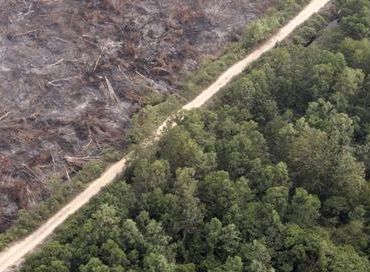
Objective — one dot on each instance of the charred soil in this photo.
(73, 72)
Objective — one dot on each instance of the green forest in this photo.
(272, 176)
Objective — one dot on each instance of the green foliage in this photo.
(90, 171)
(233, 264)
(56, 256)
(182, 151)
(149, 118)
(272, 177)
(356, 18)
(111, 155)
(258, 30)
(94, 265)
(310, 157)
(357, 53)
(257, 256)
(304, 209)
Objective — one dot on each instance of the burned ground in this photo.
(72, 73)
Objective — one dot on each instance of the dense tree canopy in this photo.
(272, 177)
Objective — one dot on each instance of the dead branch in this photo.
(106, 47)
(54, 164)
(79, 161)
(150, 81)
(26, 33)
(67, 174)
(54, 82)
(126, 77)
(97, 143)
(63, 40)
(111, 95)
(56, 63)
(33, 174)
(75, 159)
(4, 116)
(97, 61)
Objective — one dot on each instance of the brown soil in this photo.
(72, 72)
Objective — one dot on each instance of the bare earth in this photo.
(14, 254)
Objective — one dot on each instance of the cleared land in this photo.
(73, 72)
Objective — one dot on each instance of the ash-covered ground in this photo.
(72, 72)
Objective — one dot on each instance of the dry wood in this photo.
(25, 33)
(4, 116)
(80, 161)
(56, 63)
(34, 175)
(111, 94)
(67, 174)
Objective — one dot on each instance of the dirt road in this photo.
(14, 254)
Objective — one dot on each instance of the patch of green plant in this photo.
(90, 171)
(111, 155)
(150, 117)
(313, 27)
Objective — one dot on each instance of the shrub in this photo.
(90, 171)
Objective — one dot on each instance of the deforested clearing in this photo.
(72, 73)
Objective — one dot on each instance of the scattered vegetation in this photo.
(150, 117)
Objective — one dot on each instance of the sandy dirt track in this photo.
(15, 253)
